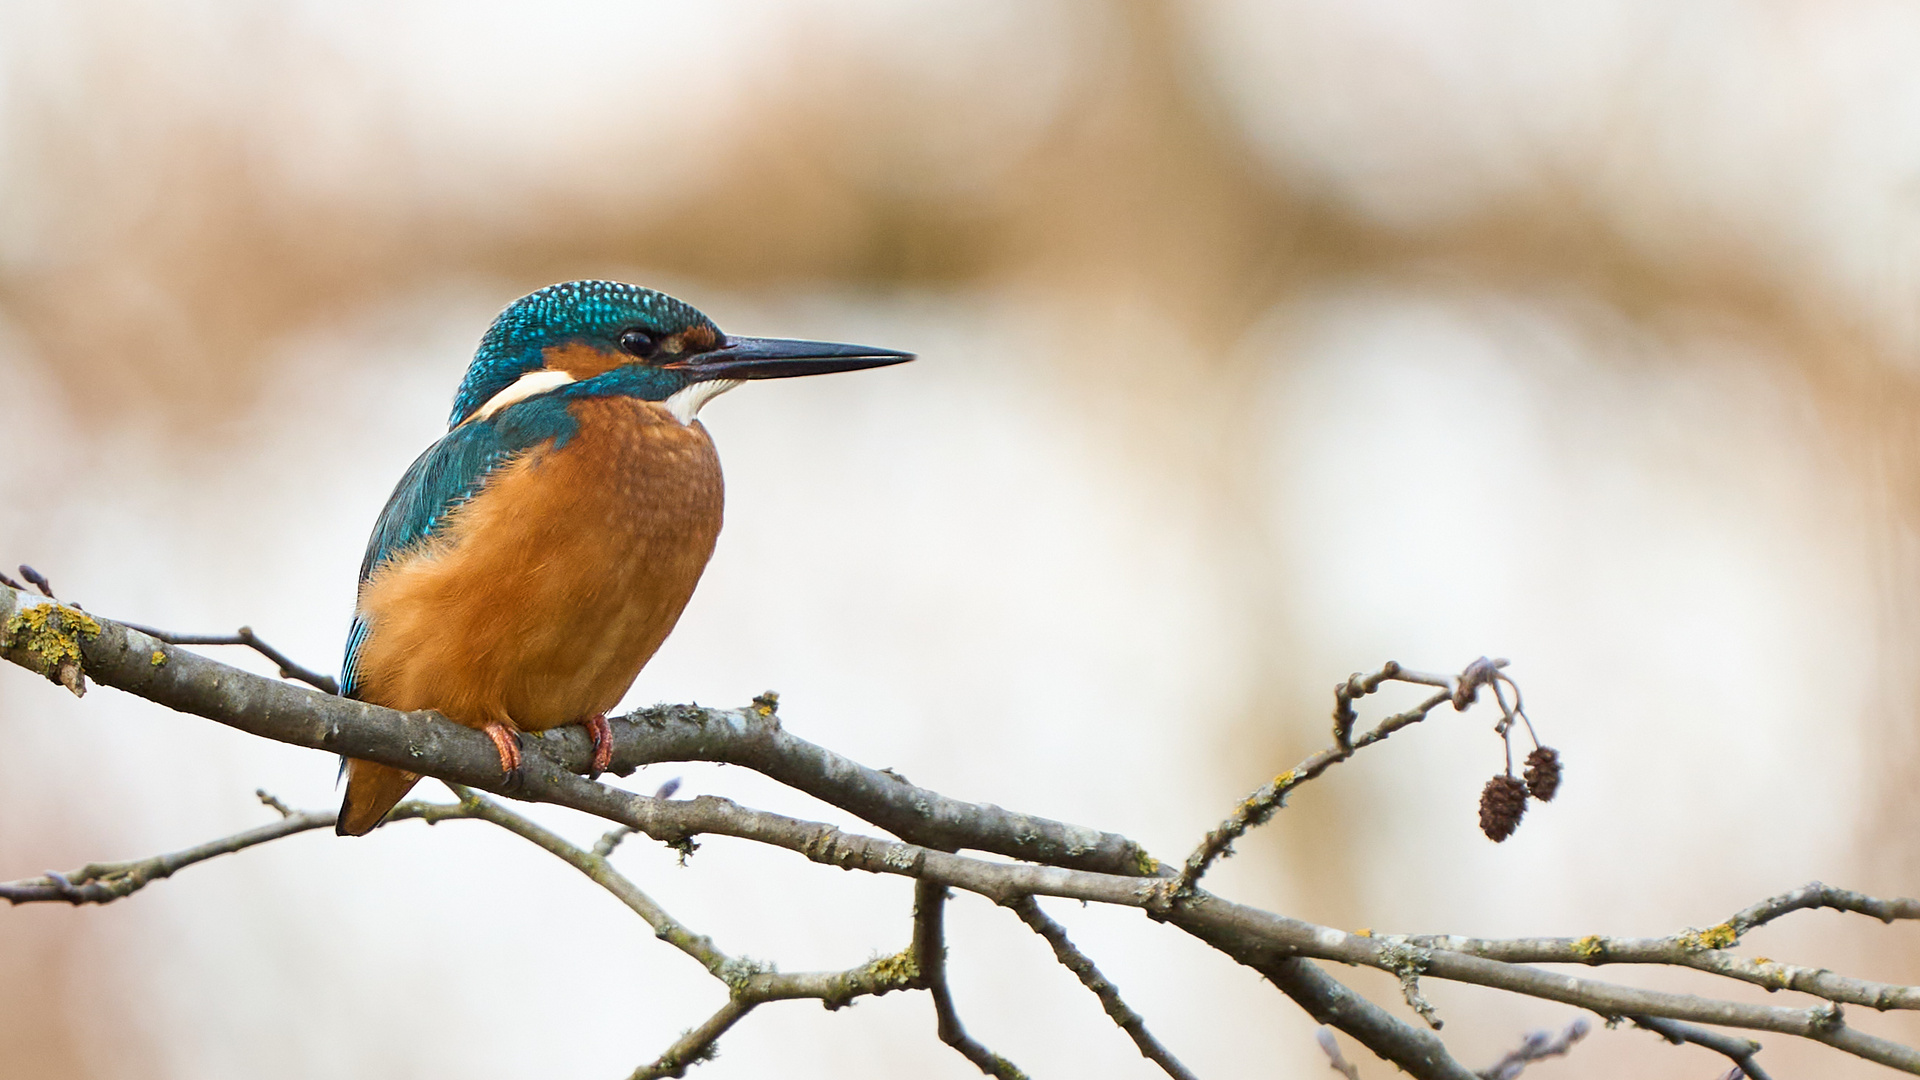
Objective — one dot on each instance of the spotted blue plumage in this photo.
(594, 312)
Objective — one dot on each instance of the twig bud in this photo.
(38, 580)
(1543, 773)
(1502, 803)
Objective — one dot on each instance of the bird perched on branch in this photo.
(531, 561)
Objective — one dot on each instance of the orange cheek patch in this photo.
(700, 339)
(582, 361)
(696, 340)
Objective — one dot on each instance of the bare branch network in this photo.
(930, 831)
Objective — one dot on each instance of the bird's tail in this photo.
(372, 790)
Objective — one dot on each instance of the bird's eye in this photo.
(638, 342)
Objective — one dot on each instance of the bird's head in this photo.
(635, 342)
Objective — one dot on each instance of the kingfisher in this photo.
(531, 561)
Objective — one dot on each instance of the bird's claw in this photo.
(506, 742)
(601, 733)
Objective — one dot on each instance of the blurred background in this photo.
(1261, 343)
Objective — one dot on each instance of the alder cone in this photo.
(1502, 803)
(1543, 773)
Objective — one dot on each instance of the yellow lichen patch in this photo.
(50, 635)
(898, 970)
(159, 659)
(1284, 780)
(768, 703)
(1146, 864)
(1363, 932)
(1589, 948)
(1723, 936)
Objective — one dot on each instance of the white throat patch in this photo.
(685, 402)
(526, 386)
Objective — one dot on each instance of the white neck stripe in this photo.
(686, 401)
(533, 382)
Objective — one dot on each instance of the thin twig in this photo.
(749, 979)
(696, 1045)
(595, 866)
(1708, 950)
(610, 840)
(1256, 809)
(1083, 967)
(245, 636)
(1537, 1046)
(930, 951)
(1740, 1051)
(1330, 1046)
(1815, 895)
(103, 883)
(749, 982)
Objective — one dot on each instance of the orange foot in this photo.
(506, 742)
(602, 734)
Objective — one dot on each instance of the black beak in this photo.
(780, 358)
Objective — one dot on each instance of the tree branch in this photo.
(1741, 1051)
(750, 983)
(929, 949)
(127, 659)
(1706, 950)
(696, 1045)
(1815, 895)
(1083, 968)
(1268, 942)
(1061, 860)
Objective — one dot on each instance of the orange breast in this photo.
(552, 587)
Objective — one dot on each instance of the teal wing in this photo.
(451, 471)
